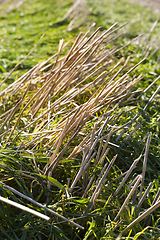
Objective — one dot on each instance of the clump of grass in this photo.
(69, 108)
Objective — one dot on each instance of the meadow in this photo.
(80, 119)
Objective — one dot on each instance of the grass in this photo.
(19, 34)
(79, 123)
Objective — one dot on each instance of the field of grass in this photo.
(80, 119)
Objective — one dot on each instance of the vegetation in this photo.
(79, 121)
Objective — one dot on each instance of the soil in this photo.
(151, 4)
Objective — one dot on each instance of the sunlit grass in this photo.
(80, 129)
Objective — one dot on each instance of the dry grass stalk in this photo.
(58, 146)
(137, 116)
(105, 166)
(100, 162)
(115, 227)
(87, 69)
(156, 197)
(135, 129)
(10, 116)
(58, 158)
(144, 195)
(18, 172)
(130, 185)
(128, 197)
(157, 90)
(86, 171)
(24, 208)
(127, 126)
(150, 85)
(88, 186)
(98, 188)
(117, 177)
(77, 148)
(80, 63)
(106, 144)
(127, 175)
(87, 157)
(21, 62)
(142, 216)
(145, 163)
(40, 205)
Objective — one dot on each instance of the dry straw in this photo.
(46, 102)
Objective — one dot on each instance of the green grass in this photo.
(23, 27)
(21, 30)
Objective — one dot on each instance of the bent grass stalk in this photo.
(142, 216)
(24, 208)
